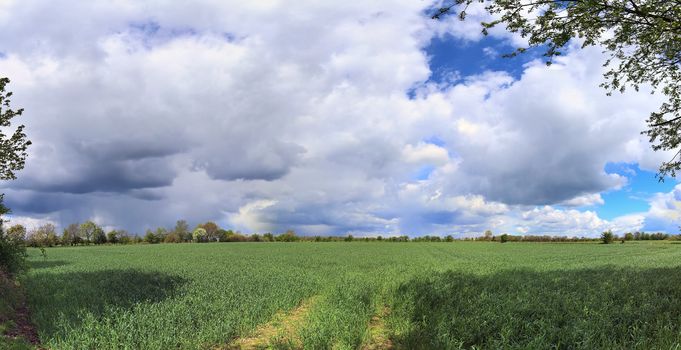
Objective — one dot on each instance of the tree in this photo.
(98, 235)
(607, 237)
(641, 37)
(199, 235)
(211, 230)
(70, 235)
(43, 236)
(12, 249)
(124, 237)
(17, 233)
(503, 238)
(112, 237)
(487, 235)
(86, 231)
(12, 149)
(160, 234)
(182, 231)
(151, 238)
(224, 235)
(288, 236)
(12, 158)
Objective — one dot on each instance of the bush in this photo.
(12, 249)
(151, 238)
(504, 238)
(112, 237)
(288, 236)
(172, 237)
(607, 237)
(199, 235)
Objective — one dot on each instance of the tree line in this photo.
(89, 233)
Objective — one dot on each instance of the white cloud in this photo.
(269, 115)
(585, 200)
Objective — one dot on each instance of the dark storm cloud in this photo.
(251, 160)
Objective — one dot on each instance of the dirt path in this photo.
(20, 321)
(378, 332)
(280, 330)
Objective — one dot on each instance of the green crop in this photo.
(336, 295)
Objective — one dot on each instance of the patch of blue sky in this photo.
(634, 197)
(2, 55)
(435, 140)
(449, 55)
(423, 172)
(452, 59)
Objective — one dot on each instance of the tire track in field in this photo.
(280, 330)
(378, 332)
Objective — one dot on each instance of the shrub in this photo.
(151, 238)
(12, 249)
(607, 237)
(98, 235)
(199, 235)
(288, 236)
(43, 236)
(237, 237)
(70, 235)
(112, 237)
(124, 237)
(504, 238)
(173, 237)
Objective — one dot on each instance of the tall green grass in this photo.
(440, 295)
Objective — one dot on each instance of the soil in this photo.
(21, 319)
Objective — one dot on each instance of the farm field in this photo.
(358, 295)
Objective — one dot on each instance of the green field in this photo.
(358, 295)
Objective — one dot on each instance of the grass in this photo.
(366, 295)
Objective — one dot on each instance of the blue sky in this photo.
(326, 118)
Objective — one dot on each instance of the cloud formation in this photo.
(267, 116)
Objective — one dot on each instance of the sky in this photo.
(325, 117)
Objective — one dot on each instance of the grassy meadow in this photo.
(358, 295)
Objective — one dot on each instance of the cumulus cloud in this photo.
(267, 116)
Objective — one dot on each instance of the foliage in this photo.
(12, 249)
(13, 153)
(43, 236)
(70, 235)
(86, 231)
(211, 230)
(98, 236)
(504, 238)
(182, 232)
(124, 237)
(13, 148)
(112, 237)
(607, 237)
(199, 235)
(641, 37)
(288, 236)
(152, 238)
